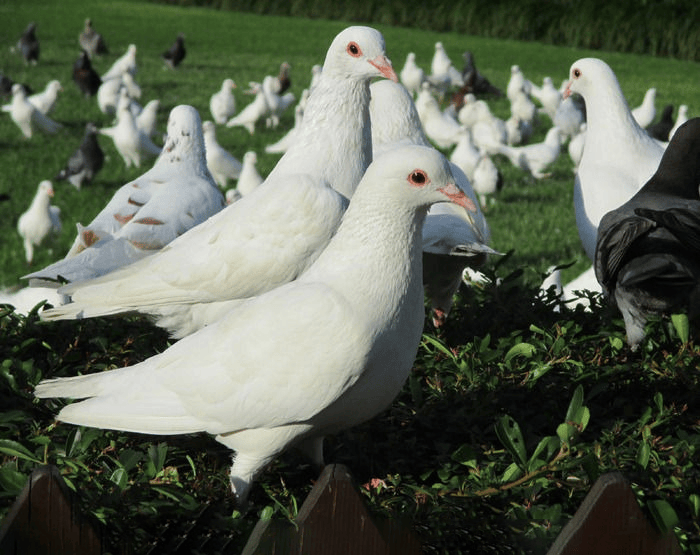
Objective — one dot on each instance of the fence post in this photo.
(44, 520)
(610, 522)
(333, 519)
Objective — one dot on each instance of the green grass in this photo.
(443, 457)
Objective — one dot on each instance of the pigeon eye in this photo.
(576, 73)
(353, 49)
(418, 178)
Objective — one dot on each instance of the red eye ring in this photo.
(418, 178)
(354, 49)
(576, 73)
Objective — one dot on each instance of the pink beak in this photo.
(456, 195)
(384, 66)
(567, 91)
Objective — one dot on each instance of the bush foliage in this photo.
(657, 27)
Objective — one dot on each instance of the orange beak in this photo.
(567, 91)
(456, 195)
(384, 66)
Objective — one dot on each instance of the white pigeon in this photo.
(222, 104)
(412, 76)
(517, 83)
(440, 127)
(468, 114)
(681, 118)
(518, 131)
(130, 141)
(443, 74)
(250, 115)
(453, 237)
(276, 104)
(46, 99)
(39, 220)
(125, 64)
(646, 111)
(131, 86)
(346, 332)
(249, 178)
(27, 116)
(522, 107)
(549, 96)
(487, 179)
(272, 235)
(147, 118)
(316, 71)
(465, 154)
(232, 195)
(569, 116)
(222, 165)
(619, 156)
(108, 95)
(146, 214)
(534, 158)
(281, 146)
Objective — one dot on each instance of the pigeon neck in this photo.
(334, 142)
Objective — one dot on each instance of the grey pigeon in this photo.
(28, 45)
(91, 41)
(86, 161)
(87, 79)
(661, 129)
(176, 53)
(648, 251)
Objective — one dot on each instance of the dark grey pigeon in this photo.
(662, 128)
(85, 162)
(87, 79)
(91, 41)
(28, 45)
(176, 53)
(478, 83)
(647, 255)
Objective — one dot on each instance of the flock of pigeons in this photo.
(314, 278)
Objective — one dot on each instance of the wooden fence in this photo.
(332, 520)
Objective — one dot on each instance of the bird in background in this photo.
(347, 330)
(26, 116)
(85, 76)
(28, 45)
(86, 161)
(40, 219)
(91, 41)
(174, 55)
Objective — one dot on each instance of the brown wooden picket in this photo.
(333, 520)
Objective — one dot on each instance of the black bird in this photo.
(28, 45)
(85, 76)
(648, 250)
(86, 161)
(91, 41)
(176, 53)
(5, 86)
(283, 78)
(474, 82)
(662, 128)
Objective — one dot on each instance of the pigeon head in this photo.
(46, 188)
(184, 141)
(419, 175)
(358, 52)
(584, 73)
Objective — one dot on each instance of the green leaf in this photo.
(547, 445)
(681, 325)
(694, 500)
(120, 477)
(12, 481)
(465, 455)
(663, 514)
(643, 454)
(513, 472)
(575, 406)
(14, 449)
(520, 349)
(267, 512)
(511, 437)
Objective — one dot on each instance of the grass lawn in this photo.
(443, 453)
